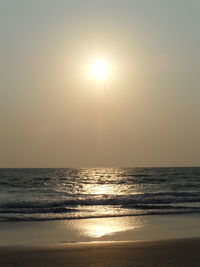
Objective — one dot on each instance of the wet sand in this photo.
(179, 253)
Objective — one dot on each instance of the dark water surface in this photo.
(53, 194)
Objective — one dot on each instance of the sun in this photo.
(99, 69)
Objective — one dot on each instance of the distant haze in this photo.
(146, 114)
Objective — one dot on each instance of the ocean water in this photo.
(60, 194)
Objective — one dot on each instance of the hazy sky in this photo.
(147, 113)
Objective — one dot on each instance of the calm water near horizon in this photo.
(59, 194)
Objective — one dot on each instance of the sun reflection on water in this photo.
(101, 227)
(101, 189)
(101, 230)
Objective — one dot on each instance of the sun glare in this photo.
(99, 69)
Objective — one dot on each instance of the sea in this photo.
(77, 193)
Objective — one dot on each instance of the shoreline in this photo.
(173, 252)
(146, 241)
(140, 228)
(69, 245)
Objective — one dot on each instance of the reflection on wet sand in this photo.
(98, 228)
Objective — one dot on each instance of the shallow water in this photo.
(131, 228)
(59, 194)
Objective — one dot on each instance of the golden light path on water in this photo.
(107, 189)
(105, 181)
(105, 186)
(101, 185)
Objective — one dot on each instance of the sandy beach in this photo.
(179, 253)
(115, 242)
